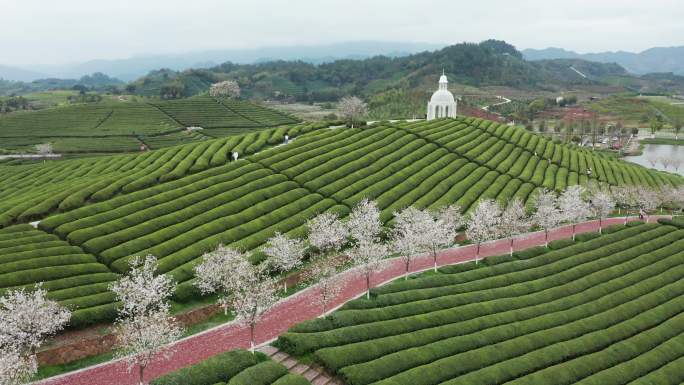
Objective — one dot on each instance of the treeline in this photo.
(491, 62)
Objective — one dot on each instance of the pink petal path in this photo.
(300, 307)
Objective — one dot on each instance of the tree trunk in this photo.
(252, 326)
(511, 246)
(546, 237)
(573, 231)
(434, 257)
(477, 253)
(408, 261)
(600, 225)
(141, 373)
(368, 285)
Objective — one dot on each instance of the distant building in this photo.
(442, 104)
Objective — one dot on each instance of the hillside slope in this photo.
(124, 126)
(490, 63)
(180, 202)
(605, 310)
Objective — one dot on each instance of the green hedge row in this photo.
(444, 310)
(219, 368)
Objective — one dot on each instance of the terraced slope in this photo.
(31, 191)
(124, 126)
(605, 311)
(237, 367)
(74, 278)
(180, 202)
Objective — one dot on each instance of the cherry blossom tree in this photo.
(27, 319)
(363, 224)
(513, 221)
(367, 256)
(406, 234)
(646, 199)
(326, 232)
(625, 198)
(142, 339)
(252, 296)
(352, 109)
(602, 204)
(225, 89)
(546, 214)
(144, 326)
(441, 230)
(15, 367)
(364, 227)
(245, 288)
(327, 284)
(220, 272)
(286, 253)
(573, 206)
(483, 223)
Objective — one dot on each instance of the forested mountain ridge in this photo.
(489, 63)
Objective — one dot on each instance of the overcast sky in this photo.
(59, 31)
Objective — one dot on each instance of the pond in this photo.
(659, 151)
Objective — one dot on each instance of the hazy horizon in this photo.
(71, 31)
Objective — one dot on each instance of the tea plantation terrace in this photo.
(123, 126)
(180, 202)
(603, 310)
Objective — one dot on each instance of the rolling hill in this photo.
(177, 203)
(122, 126)
(652, 60)
(603, 310)
(489, 63)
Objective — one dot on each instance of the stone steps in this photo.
(314, 373)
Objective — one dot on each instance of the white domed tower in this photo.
(442, 104)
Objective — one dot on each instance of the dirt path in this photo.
(297, 308)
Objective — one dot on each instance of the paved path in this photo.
(297, 308)
(314, 373)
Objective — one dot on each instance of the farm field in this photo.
(602, 310)
(116, 126)
(180, 202)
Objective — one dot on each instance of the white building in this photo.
(442, 104)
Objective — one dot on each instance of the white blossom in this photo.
(245, 288)
(647, 199)
(513, 221)
(220, 271)
(546, 215)
(573, 207)
(253, 295)
(367, 257)
(327, 284)
(27, 318)
(364, 224)
(16, 367)
(352, 108)
(286, 253)
(483, 223)
(44, 148)
(625, 198)
(141, 291)
(406, 235)
(142, 339)
(144, 326)
(602, 204)
(225, 89)
(326, 232)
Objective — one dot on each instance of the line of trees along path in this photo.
(302, 306)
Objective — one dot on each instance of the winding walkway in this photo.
(300, 307)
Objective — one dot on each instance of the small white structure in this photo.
(442, 104)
